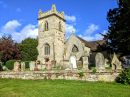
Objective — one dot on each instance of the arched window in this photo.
(46, 25)
(47, 49)
(60, 26)
(75, 49)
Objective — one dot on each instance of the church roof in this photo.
(98, 45)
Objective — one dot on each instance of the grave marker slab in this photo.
(99, 60)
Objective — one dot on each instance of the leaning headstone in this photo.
(4, 68)
(116, 64)
(22, 66)
(99, 60)
(32, 65)
(85, 63)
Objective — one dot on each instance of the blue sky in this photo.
(87, 18)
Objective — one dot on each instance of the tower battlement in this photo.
(51, 12)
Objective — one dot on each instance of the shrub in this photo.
(124, 77)
(81, 74)
(94, 71)
(27, 64)
(10, 64)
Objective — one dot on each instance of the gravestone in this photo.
(79, 64)
(41, 66)
(32, 65)
(116, 64)
(107, 64)
(22, 66)
(99, 60)
(48, 66)
(53, 64)
(73, 61)
(85, 63)
(36, 69)
(15, 66)
(67, 65)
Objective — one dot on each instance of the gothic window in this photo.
(47, 49)
(46, 26)
(60, 26)
(75, 49)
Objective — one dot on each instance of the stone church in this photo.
(52, 45)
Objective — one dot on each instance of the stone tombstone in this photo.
(73, 61)
(32, 65)
(48, 66)
(15, 66)
(85, 63)
(22, 66)
(116, 64)
(53, 64)
(107, 62)
(67, 65)
(79, 64)
(99, 60)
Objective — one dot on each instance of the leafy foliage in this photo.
(9, 49)
(94, 71)
(119, 29)
(28, 48)
(125, 76)
(81, 74)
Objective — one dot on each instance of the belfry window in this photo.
(75, 49)
(60, 26)
(46, 26)
(47, 49)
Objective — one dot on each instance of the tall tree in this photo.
(119, 29)
(28, 49)
(9, 49)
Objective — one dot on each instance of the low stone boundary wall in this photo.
(100, 75)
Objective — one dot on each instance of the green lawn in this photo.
(61, 88)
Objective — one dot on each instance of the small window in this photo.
(75, 49)
(46, 26)
(47, 49)
(60, 26)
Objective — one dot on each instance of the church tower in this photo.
(51, 35)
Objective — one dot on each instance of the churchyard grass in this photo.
(61, 88)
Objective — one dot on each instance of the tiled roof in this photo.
(95, 45)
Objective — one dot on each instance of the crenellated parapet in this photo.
(51, 12)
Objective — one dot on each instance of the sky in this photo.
(87, 18)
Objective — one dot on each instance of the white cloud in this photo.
(91, 29)
(96, 37)
(99, 36)
(18, 9)
(70, 18)
(28, 31)
(10, 26)
(87, 38)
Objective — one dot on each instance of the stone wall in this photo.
(106, 75)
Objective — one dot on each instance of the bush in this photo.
(26, 64)
(124, 77)
(81, 74)
(10, 64)
(94, 71)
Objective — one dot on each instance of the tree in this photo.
(9, 49)
(119, 29)
(28, 49)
